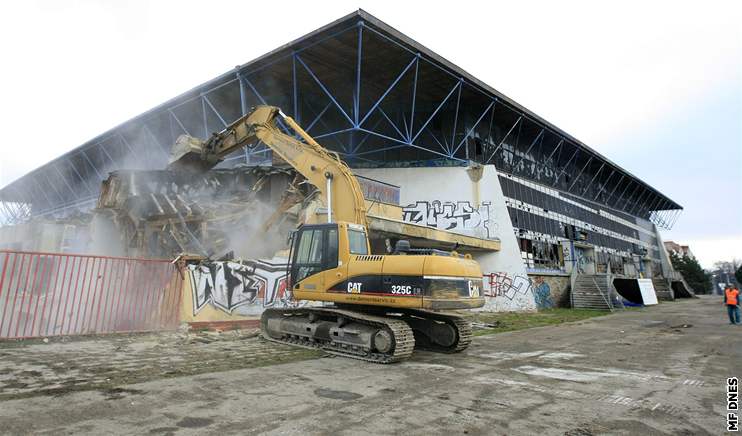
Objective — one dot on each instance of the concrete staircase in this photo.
(662, 289)
(592, 292)
(680, 287)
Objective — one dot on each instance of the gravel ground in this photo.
(62, 365)
(660, 370)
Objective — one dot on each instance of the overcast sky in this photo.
(654, 86)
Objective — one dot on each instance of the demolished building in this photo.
(544, 215)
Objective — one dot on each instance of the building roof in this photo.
(89, 163)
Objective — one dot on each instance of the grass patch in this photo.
(511, 321)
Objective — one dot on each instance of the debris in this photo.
(165, 214)
(485, 325)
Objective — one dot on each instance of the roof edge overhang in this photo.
(346, 22)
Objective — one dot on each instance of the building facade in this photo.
(394, 110)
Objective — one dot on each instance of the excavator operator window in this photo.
(316, 251)
(357, 242)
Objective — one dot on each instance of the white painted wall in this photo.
(511, 289)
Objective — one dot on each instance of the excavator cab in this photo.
(332, 262)
(319, 253)
(314, 248)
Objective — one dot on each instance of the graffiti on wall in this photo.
(518, 287)
(583, 261)
(542, 293)
(449, 215)
(503, 285)
(229, 286)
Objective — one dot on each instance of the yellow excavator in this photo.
(383, 306)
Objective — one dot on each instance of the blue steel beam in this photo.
(414, 97)
(456, 116)
(158, 145)
(216, 112)
(401, 135)
(435, 138)
(49, 202)
(84, 181)
(388, 90)
(621, 196)
(126, 143)
(627, 200)
(517, 122)
(530, 147)
(357, 94)
(409, 145)
(317, 117)
(491, 106)
(324, 89)
(635, 203)
(368, 135)
(425, 124)
(64, 179)
(87, 159)
(592, 180)
(580, 174)
(602, 188)
(566, 165)
(610, 196)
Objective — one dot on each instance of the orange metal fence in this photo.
(53, 294)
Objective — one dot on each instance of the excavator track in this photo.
(460, 326)
(340, 332)
(434, 331)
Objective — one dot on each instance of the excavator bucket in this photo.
(194, 155)
(187, 155)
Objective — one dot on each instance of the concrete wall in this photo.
(665, 263)
(36, 236)
(468, 202)
(226, 291)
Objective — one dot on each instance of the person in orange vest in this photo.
(731, 299)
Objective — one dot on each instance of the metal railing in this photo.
(54, 294)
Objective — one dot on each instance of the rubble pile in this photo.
(162, 213)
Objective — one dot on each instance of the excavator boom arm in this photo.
(323, 169)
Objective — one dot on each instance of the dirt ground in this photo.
(659, 370)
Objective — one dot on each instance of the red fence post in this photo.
(76, 273)
(160, 292)
(101, 292)
(41, 287)
(124, 297)
(54, 293)
(2, 283)
(15, 297)
(133, 300)
(170, 297)
(76, 308)
(149, 296)
(114, 284)
(180, 276)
